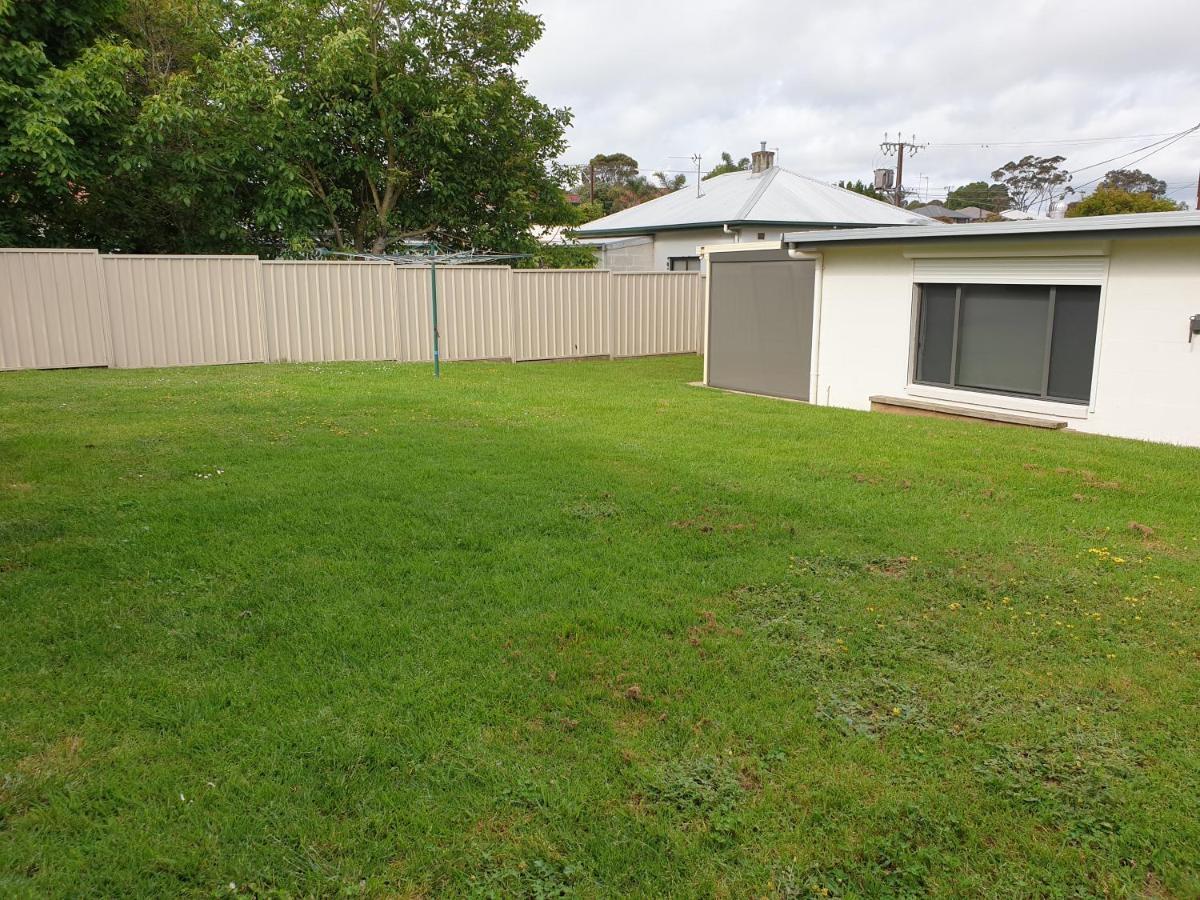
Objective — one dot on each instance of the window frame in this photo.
(917, 347)
(671, 260)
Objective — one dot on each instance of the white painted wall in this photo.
(686, 241)
(1147, 382)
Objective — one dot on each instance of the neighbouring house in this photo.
(1091, 324)
(762, 203)
(976, 214)
(945, 214)
(632, 253)
(1019, 215)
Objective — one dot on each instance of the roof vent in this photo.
(762, 159)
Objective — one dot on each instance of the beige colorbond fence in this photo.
(184, 310)
(52, 310)
(319, 312)
(63, 308)
(561, 313)
(656, 313)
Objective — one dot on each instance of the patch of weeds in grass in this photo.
(827, 566)
(897, 860)
(1067, 782)
(711, 519)
(700, 790)
(590, 510)
(874, 708)
(536, 879)
(791, 883)
(524, 795)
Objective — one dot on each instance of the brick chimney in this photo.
(761, 159)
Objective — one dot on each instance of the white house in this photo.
(763, 203)
(1091, 324)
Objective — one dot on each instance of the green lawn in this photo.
(580, 628)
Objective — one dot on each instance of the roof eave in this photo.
(800, 241)
(741, 223)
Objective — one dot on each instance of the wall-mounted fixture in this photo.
(1194, 328)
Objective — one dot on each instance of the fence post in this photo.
(261, 303)
(510, 287)
(610, 300)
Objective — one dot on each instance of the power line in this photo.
(1167, 141)
(1065, 141)
(1159, 146)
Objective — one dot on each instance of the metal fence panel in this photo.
(323, 311)
(77, 308)
(413, 314)
(560, 313)
(475, 312)
(52, 310)
(657, 313)
(184, 310)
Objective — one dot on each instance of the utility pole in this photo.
(696, 160)
(899, 146)
(591, 182)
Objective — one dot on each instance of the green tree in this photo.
(612, 169)
(668, 184)
(266, 124)
(727, 165)
(1033, 180)
(1108, 201)
(993, 197)
(1134, 181)
(867, 190)
(560, 256)
(616, 183)
(66, 92)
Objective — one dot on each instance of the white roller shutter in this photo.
(1011, 270)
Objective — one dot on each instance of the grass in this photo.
(580, 629)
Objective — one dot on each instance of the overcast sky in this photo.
(822, 81)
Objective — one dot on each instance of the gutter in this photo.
(794, 239)
(736, 223)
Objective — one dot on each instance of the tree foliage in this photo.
(618, 184)
(560, 256)
(1033, 180)
(993, 197)
(1108, 201)
(867, 190)
(264, 125)
(727, 165)
(1134, 181)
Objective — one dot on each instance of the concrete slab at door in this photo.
(760, 326)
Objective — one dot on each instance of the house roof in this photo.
(564, 236)
(777, 196)
(936, 210)
(1186, 222)
(1019, 215)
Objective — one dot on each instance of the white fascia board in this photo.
(706, 249)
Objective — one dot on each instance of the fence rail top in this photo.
(181, 256)
(326, 262)
(48, 250)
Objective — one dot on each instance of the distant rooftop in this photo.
(775, 196)
(938, 211)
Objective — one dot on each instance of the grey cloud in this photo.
(823, 81)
